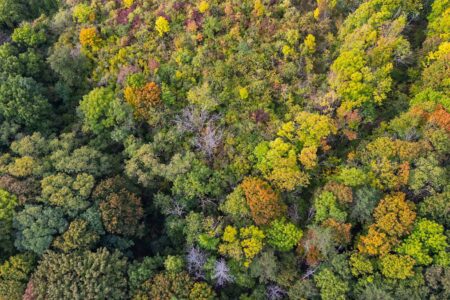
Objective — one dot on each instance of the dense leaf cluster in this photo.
(224, 149)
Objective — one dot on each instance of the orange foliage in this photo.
(394, 215)
(341, 231)
(309, 249)
(375, 242)
(440, 117)
(142, 99)
(265, 204)
(342, 192)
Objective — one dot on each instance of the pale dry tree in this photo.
(221, 273)
(196, 259)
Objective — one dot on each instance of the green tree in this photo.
(22, 101)
(397, 266)
(283, 236)
(36, 227)
(425, 243)
(170, 285)
(327, 207)
(68, 276)
(78, 236)
(29, 35)
(331, 286)
(14, 275)
(12, 12)
(67, 192)
(8, 203)
(102, 111)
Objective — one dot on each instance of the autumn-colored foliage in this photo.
(144, 98)
(265, 204)
(394, 217)
(121, 210)
(88, 36)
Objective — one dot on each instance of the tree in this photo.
(83, 13)
(265, 204)
(243, 246)
(12, 12)
(202, 291)
(397, 266)
(326, 207)
(235, 205)
(78, 236)
(22, 101)
(221, 273)
(170, 285)
(30, 35)
(426, 242)
(14, 274)
(67, 192)
(331, 286)
(361, 74)
(142, 270)
(68, 276)
(427, 175)
(277, 161)
(121, 209)
(361, 265)
(437, 280)
(162, 26)
(101, 110)
(352, 177)
(89, 37)
(436, 207)
(36, 227)
(375, 242)
(394, 215)
(317, 245)
(143, 99)
(309, 129)
(282, 235)
(70, 64)
(8, 203)
(174, 264)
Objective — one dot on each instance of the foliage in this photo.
(89, 37)
(144, 98)
(7, 204)
(425, 241)
(78, 236)
(282, 235)
(397, 266)
(206, 140)
(22, 101)
(70, 275)
(121, 209)
(394, 217)
(331, 286)
(37, 226)
(67, 192)
(326, 207)
(170, 285)
(263, 201)
(202, 291)
(162, 25)
(14, 274)
(243, 246)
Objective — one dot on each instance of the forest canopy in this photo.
(224, 149)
